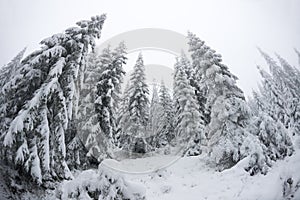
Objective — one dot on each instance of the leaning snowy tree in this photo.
(138, 107)
(282, 87)
(44, 105)
(229, 112)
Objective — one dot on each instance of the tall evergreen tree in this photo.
(189, 125)
(165, 132)
(229, 112)
(138, 101)
(274, 110)
(194, 77)
(154, 111)
(87, 117)
(123, 116)
(43, 107)
(108, 91)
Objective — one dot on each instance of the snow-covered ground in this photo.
(188, 178)
(191, 178)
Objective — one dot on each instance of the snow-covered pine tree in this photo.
(189, 125)
(42, 107)
(108, 91)
(229, 112)
(165, 132)
(138, 105)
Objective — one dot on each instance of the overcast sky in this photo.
(232, 27)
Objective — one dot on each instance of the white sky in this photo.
(233, 27)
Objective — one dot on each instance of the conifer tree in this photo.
(46, 94)
(189, 126)
(108, 91)
(229, 112)
(87, 118)
(123, 116)
(138, 102)
(7, 72)
(154, 111)
(165, 132)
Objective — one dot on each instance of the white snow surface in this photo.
(191, 178)
(141, 165)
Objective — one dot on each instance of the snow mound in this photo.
(101, 184)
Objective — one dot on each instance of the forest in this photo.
(68, 118)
